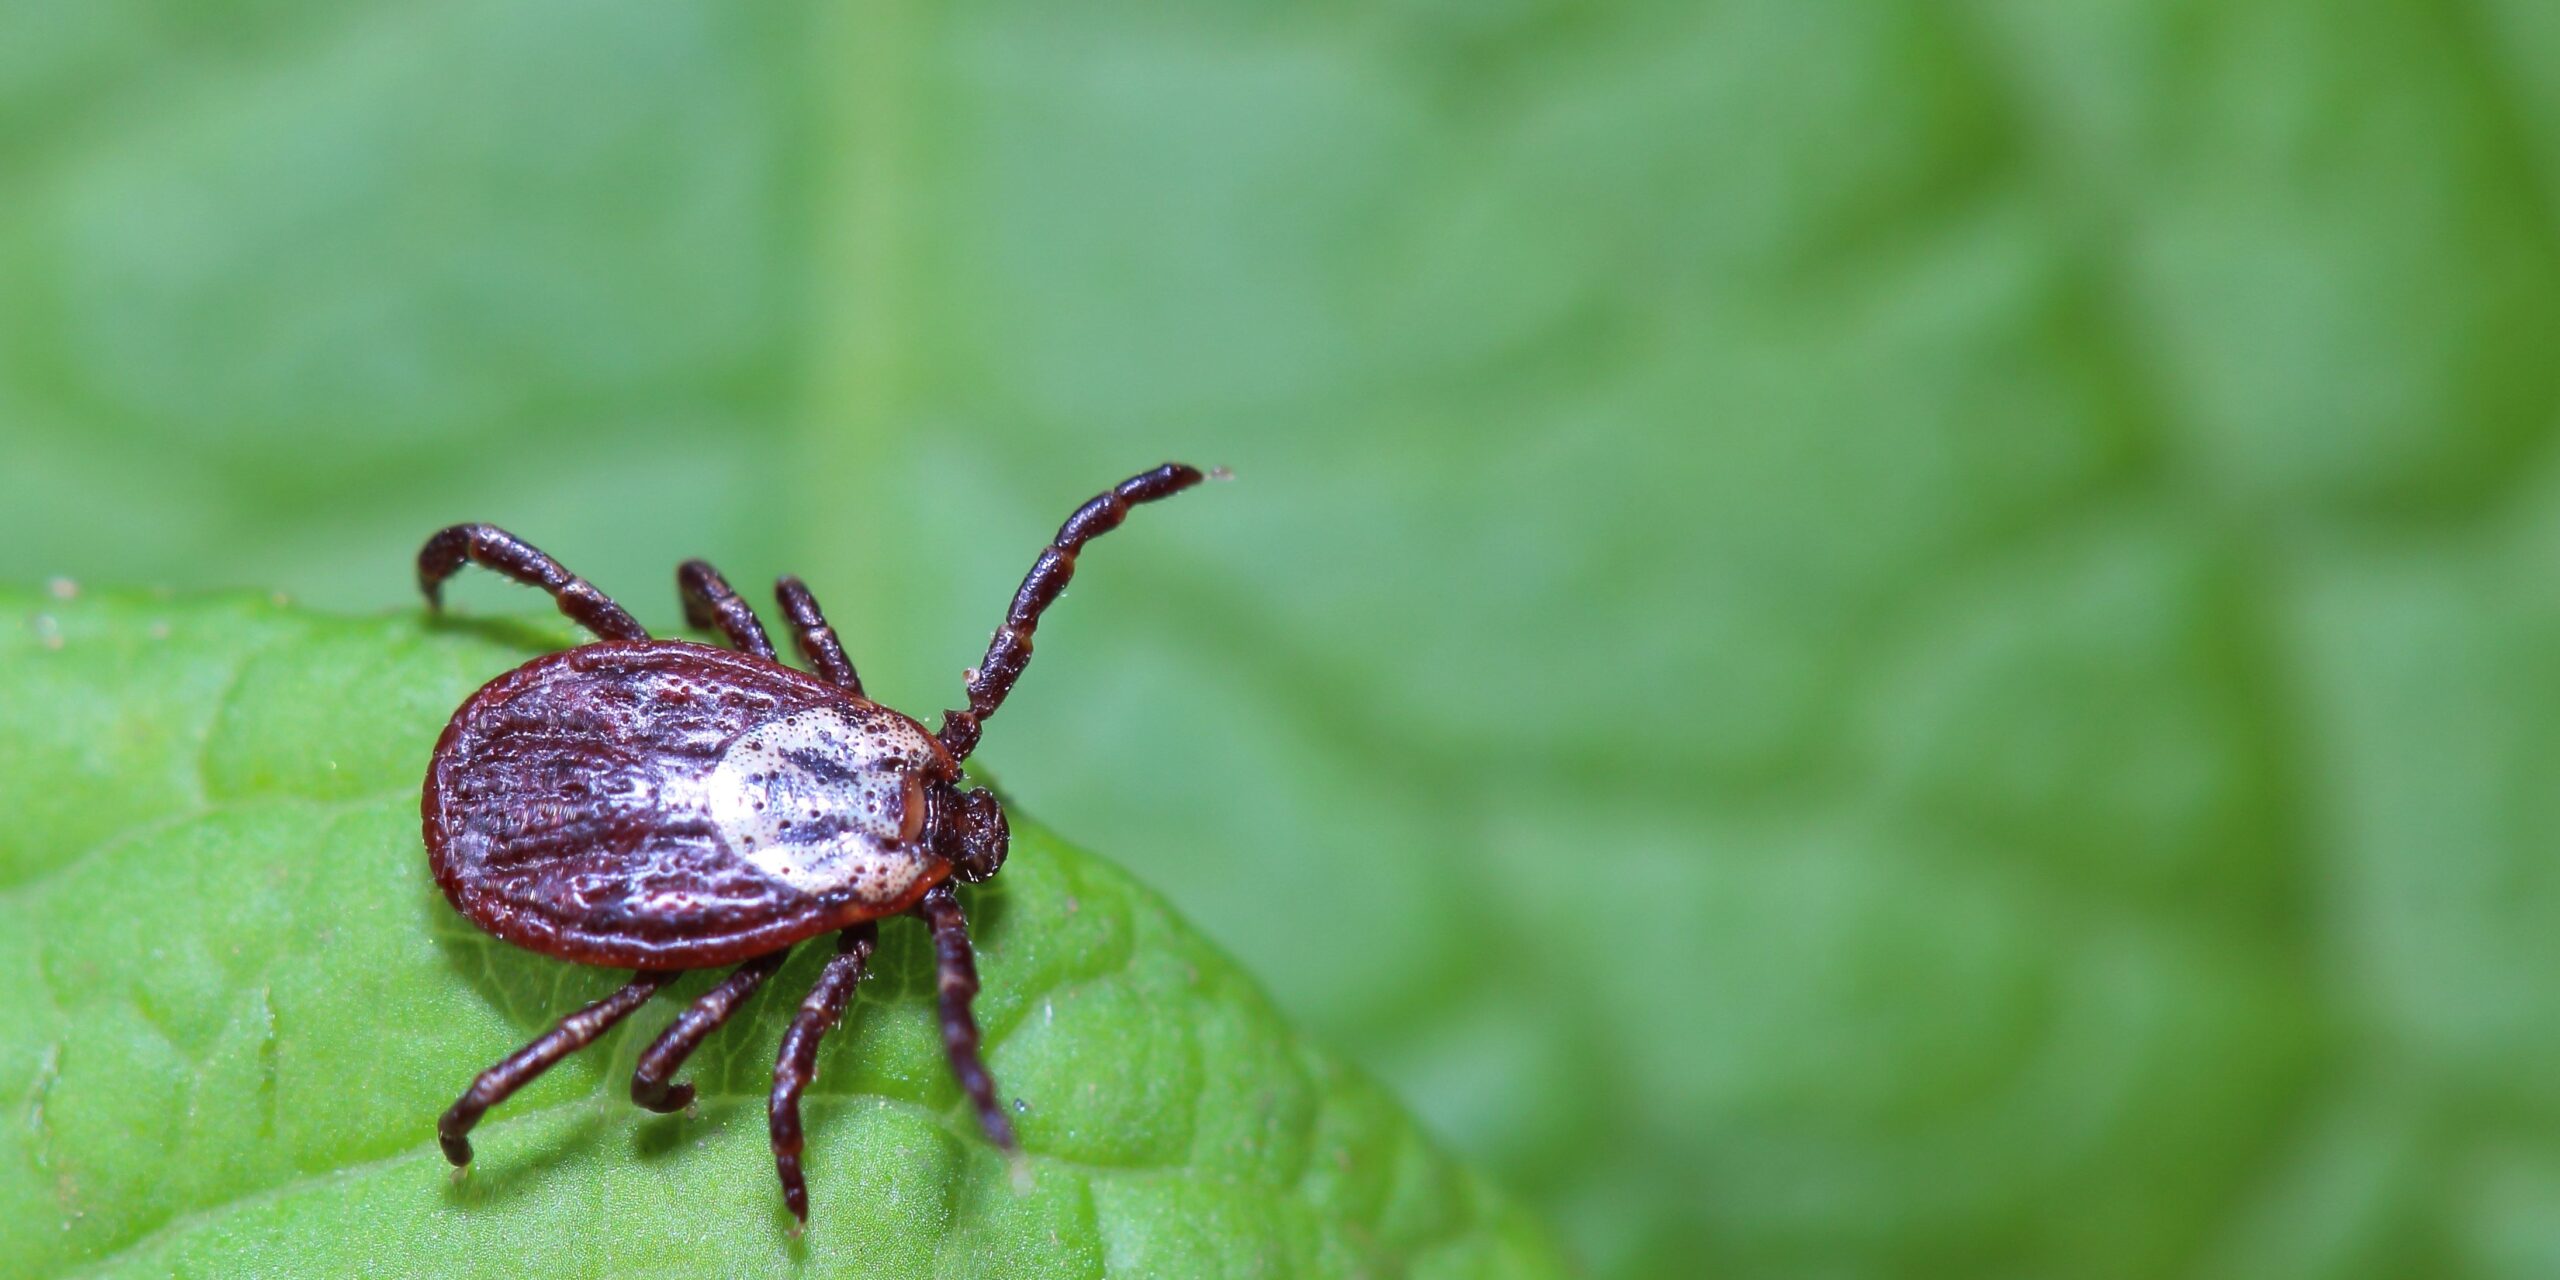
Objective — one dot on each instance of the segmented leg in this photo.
(1010, 651)
(495, 548)
(817, 641)
(708, 602)
(667, 1053)
(797, 1064)
(957, 986)
(518, 1069)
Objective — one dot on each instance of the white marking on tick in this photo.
(819, 801)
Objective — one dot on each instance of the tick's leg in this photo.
(667, 1053)
(708, 601)
(495, 548)
(518, 1069)
(798, 1063)
(818, 645)
(957, 986)
(1010, 652)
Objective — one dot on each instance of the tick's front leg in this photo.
(1010, 651)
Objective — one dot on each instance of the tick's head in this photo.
(970, 833)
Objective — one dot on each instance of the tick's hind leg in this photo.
(797, 1065)
(708, 601)
(817, 641)
(518, 1069)
(493, 547)
(957, 985)
(667, 1053)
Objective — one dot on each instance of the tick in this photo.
(660, 806)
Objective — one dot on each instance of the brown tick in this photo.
(660, 805)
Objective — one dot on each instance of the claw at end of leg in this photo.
(1018, 1169)
(795, 1187)
(999, 1130)
(665, 1100)
(795, 1197)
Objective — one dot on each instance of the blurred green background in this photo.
(1855, 640)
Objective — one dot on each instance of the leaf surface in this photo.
(235, 1004)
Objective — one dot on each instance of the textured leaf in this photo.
(234, 1004)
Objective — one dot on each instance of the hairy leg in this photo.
(519, 1069)
(666, 1055)
(797, 1064)
(1010, 651)
(709, 602)
(957, 986)
(494, 548)
(817, 641)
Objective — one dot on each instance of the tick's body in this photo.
(660, 805)
(666, 805)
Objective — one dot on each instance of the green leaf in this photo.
(234, 1004)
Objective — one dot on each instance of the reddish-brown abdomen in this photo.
(667, 805)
